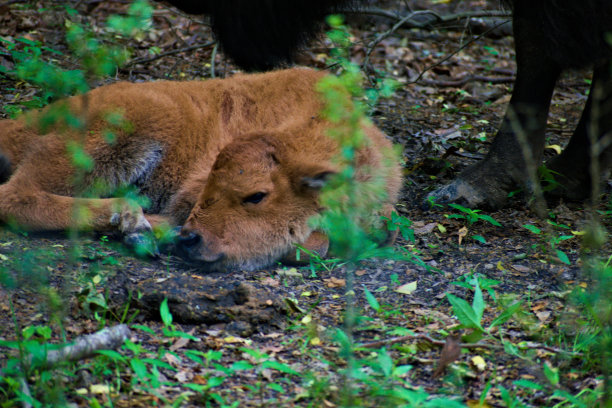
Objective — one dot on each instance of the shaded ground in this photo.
(441, 125)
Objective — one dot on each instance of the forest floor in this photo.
(276, 329)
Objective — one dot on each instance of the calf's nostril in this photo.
(189, 239)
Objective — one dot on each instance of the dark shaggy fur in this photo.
(570, 32)
(263, 34)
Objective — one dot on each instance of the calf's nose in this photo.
(188, 239)
(196, 247)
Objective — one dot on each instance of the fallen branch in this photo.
(83, 347)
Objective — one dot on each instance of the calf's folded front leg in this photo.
(32, 208)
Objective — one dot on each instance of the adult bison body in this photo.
(550, 36)
(237, 162)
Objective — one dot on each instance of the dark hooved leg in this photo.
(571, 169)
(5, 168)
(487, 183)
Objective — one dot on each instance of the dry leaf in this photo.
(407, 288)
(291, 272)
(450, 352)
(462, 233)
(270, 282)
(181, 341)
(172, 359)
(335, 282)
(520, 268)
(543, 316)
(477, 404)
(426, 229)
(479, 363)
(183, 376)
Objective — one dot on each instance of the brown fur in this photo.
(199, 151)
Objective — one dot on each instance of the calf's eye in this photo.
(255, 198)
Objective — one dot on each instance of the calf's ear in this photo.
(314, 177)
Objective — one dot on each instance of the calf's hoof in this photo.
(130, 219)
(143, 243)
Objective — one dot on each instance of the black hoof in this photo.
(462, 193)
(143, 243)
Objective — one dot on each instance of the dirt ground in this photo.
(443, 124)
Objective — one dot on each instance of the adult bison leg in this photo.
(572, 168)
(487, 183)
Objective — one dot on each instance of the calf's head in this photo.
(256, 204)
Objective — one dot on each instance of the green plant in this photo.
(595, 303)
(471, 280)
(553, 239)
(470, 316)
(470, 215)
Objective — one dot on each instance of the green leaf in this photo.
(402, 370)
(215, 381)
(563, 257)
(478, 304)
(371, 300)
(464, 312)
(506, 397)
(164, 311)
(462, 208)
(181, 334)
(479, 238)
(532, 228)
(528, 384)
(112, 354)
(506, 314)
(385, 362)
(143, 328)
(276, 387)
(242, 365)
(489, 219)
(552, 374)
(140, 369)
(201, 388)
(275, 365)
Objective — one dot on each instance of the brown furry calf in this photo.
(237, 162)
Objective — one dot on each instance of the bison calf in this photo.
(237, 162)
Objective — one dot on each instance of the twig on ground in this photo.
(184, 15)
(469, 78)
(212, 60)
(165, 54)
(396, 26)
(452, 54)
(409, 21)
(441, 343)
(437, 19)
